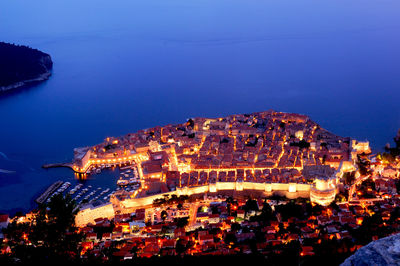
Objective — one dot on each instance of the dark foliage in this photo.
(181, 222)
(366, 188)
(51, 234)
(174, 199)
(349, 178)
(290, 209)
(251, 205)
(19, 63)
(190, 123)
(363, 165)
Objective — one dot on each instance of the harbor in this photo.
(80, 193)
(129, 178)
(92, 188)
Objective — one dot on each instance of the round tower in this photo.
(323, 190)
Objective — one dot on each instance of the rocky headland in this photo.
(21, 65)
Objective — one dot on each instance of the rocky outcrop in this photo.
(385, 251)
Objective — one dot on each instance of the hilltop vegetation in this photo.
(20, 64)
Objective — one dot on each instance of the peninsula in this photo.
(21, 65)
(264, 153)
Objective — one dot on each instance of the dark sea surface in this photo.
(125, 65)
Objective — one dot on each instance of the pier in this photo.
(55, 165)
(49, 191)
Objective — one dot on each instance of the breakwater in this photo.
(49, 191)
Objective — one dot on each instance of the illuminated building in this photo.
(91, 212)
(323, 190)
(245, 152)
(359, 147)
(81, 158)
(299, 134)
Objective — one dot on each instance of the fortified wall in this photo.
(289, 190)
(92, 212)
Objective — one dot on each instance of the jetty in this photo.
(55, 165)
(50, 190)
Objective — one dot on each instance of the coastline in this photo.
(20, 84)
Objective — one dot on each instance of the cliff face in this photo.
(20, 65)
(385, 251)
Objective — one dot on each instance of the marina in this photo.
(126, 178)
(129, 178)
(77, 187)
(59, 191)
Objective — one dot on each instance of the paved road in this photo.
(193, 213)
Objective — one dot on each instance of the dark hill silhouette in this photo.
(21, 64)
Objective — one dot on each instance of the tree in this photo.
(180, 246)
(398, 185)
(235, 227)
(349, 178)
(367, 188)
(369, 227)
(174, 198)
(181, 222)
(230, 238)
(290, 253)
(290, 209)
(190, 123)
(251, 205)
(341, 197)
(160, 201)
(164, 215)
(324, 159)
(214, 210)
(266, 212)
(363, 165)
(395, 214)
(397, 140)
(55, 223)
(229, 202)
(52, 232)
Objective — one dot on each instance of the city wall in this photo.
(235, 189)
(91, 213)
(289, 190)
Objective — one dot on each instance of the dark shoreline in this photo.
(22, 66)
(25, 84)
